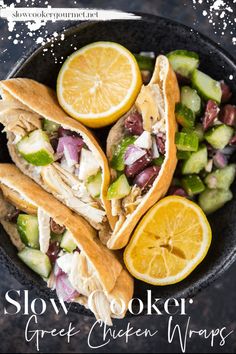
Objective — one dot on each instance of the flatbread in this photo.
(165, 77)
(116, 281)
(42, 100)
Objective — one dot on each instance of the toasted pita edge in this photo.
(105, 262)
(163, 73)
(42, 100)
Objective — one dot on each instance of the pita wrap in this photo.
(25, 105)
(156, 106)
(95, 272)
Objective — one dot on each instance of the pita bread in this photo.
(116, 283)
(164, 78)
(42, 101)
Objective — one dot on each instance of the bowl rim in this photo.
(208, 278)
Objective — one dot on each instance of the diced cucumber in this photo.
(159, 160)
(28, 228)
(94, 185)
(197, 161)
(219, 136)
(198, 130)
(36, 148)
(183, 61)
(68, 243)
(207, 87)
(221, 179)
(193, 185)
(213, 199)
(184, 116)
(183, 155)
(37, 261)
(144, 62)
(119, 189)
(49, 126)
(190, 99)
(117, 161)
(186, 141)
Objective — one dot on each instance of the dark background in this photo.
(214, 307)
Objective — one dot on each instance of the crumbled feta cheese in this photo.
(89, 166)
(144, 141)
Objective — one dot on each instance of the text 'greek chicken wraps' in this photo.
(62, 247)
(142, 153)
(59, 153)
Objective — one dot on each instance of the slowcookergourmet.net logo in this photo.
(16, 302)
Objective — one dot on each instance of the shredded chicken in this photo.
(84, 280)
(17, 119)
(131, 202)
(57, 181)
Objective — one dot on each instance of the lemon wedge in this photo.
(99, 83)
(172, 239)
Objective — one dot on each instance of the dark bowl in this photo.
(149, 34)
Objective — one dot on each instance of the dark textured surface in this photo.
(212, 309)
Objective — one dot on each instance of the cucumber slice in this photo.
(221, 179)
(197, 161)
(193, 185)
(28, 228)
(190, 99)
(207, 87)
(183, 155)
(186, 141)
(37, 261)
(68, 243)
(159, 160)
(213, 199)
(117, 161)
(144, 62)
(94, 185)
(119, 189)
(219, 136)
(50, 127)
(184, 116)
(183, 62)
(36, 148)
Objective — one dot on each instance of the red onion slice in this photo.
(70, 146)
(64, 289)
(132, 154)
(220, 160)
(177, 191)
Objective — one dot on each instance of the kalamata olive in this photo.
(174, 190)
(53, 251)
(134, 123)
(228, 115)
(211, 113)
(54, 143)
(226, 92)
(146, 178)
(66, 132)
(220, 160)
(138, 166)
(161, 144)
(56, 228)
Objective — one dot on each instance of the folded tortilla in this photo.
(156, 103)
(96, 268)
(24, 105)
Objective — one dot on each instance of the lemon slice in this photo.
(172, 239)
(99, 83)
